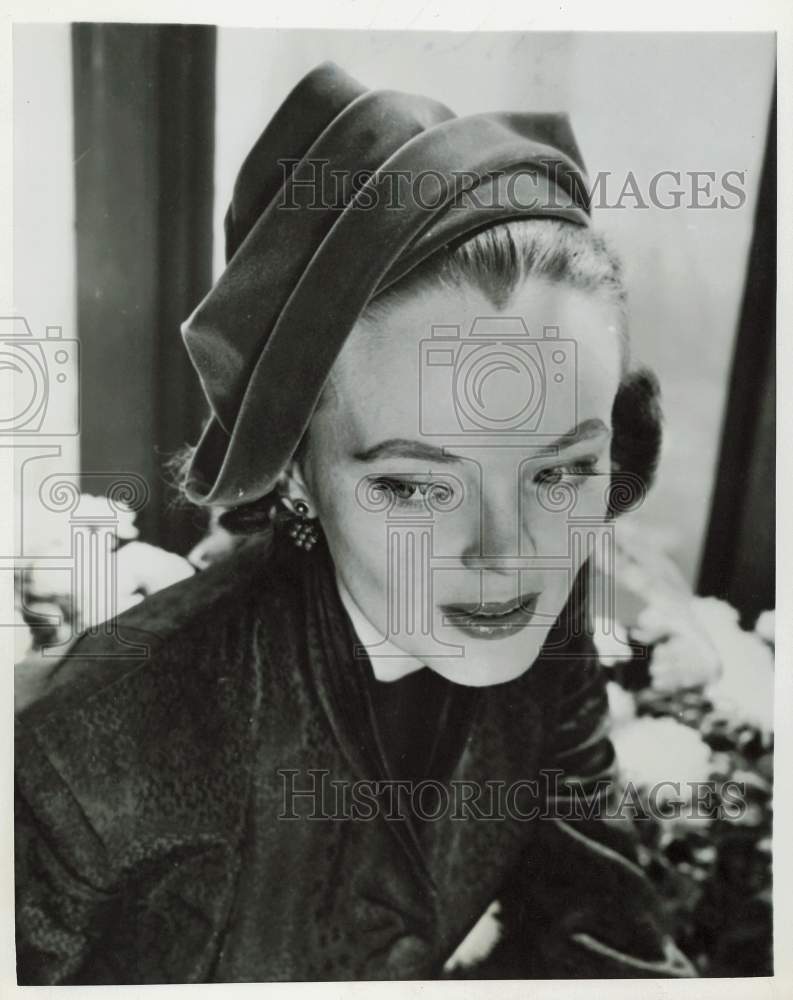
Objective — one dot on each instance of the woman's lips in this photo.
(492, 619)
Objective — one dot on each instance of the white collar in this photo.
(389, 662)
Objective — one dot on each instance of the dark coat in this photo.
(149, 790)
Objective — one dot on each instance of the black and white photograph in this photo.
(392, 422)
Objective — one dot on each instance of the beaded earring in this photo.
(302, 529)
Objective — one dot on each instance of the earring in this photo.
(303, 531)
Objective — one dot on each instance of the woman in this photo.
(372, 743)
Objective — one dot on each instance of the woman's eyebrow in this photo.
(585, 431)
(409, 448)
(405, 448)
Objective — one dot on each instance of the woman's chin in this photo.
(480, 674)
(481, 667)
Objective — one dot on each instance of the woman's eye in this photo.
(558, 473)
(410, 492)
(402, 490)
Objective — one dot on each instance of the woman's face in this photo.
(455, 465)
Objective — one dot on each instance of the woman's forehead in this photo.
(427, 359)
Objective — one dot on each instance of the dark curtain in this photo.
(144, 99)
(738, 558)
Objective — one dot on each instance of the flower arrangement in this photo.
(692, 729)
(50, 609)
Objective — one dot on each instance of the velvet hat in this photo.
(345, 191)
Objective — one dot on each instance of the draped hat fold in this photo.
(345, 192)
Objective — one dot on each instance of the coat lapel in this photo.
(340, 680)
(472, 846)
(463, 856)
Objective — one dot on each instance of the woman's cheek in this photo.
(357, 540)
(550, 535)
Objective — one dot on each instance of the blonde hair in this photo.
(500, 259)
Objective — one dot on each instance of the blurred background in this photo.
(127, 142)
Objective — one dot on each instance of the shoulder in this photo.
(151, 719)
(170, 626)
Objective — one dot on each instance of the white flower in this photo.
(743, 691)
(140, 569)
(655, 751)
(144, 569)
(43, 582)
(122, 518)
(683, 660)
(622, 706)
(611, 643)
(53, 536)
(684, 653)
(44, 578)
(716, 616)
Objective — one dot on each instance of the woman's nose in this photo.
(501, 531)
